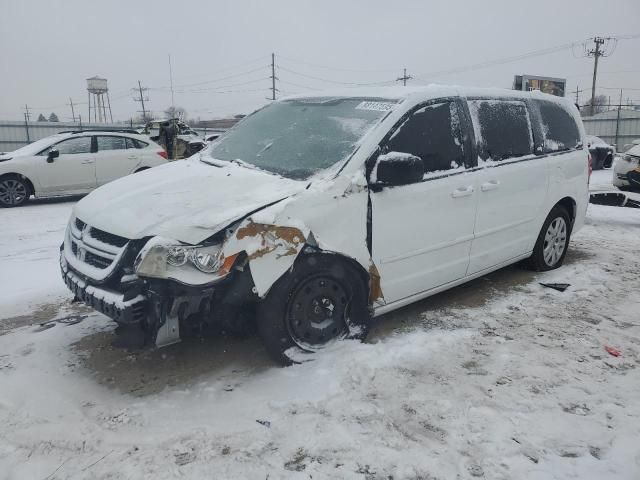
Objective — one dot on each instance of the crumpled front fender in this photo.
(271, 250)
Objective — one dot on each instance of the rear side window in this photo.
(558, 126)
(433, 134)
(133, 143)
(111, 143)
(503, 128)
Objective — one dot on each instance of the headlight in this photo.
(185, 263)
(205, 261)
(177, 256)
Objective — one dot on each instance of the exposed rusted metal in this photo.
(272, 237)
(375, 291)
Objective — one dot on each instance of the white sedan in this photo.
(625, 164)
(73, 163)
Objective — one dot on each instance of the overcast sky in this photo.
(221, 50)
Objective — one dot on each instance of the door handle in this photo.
(87, 162)
(462, 192)
(490, 185)
(132, 157)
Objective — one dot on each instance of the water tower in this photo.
(97, 90)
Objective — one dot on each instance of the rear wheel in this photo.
(553, 241)
(14, 191)
(321, 300)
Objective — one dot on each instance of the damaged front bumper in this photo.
(157, 309)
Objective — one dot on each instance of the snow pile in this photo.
(500, 378)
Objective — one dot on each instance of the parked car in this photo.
(186, 141)
(601, 152)
(315, 213)
(628, 146)
(625, 163)
(73, 163)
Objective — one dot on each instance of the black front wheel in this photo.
(14, 191)
(321, 300)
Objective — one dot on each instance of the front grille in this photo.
(96, 260)
(94, 247)
(108, 238)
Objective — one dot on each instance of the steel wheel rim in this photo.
(317, 312)
(12, 192)
(555, 241)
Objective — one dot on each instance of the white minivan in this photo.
(316, 213)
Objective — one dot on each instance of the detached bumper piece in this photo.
(111, 304)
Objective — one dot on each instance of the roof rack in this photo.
(117, 130)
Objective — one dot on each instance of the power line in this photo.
(210, 81)
(298, 85)
(202, 90)
(338, 82)
(333, 68)
(499, 61)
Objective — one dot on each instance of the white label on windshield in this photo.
(377, 106)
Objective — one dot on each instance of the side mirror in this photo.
(51, 155)
(396, 168)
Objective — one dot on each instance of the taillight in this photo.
(164, 155)
(590, 167)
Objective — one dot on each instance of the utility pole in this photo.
(27, 117)
(173, 106)
(404, 78)
(141, 99)
(596, 54)
(618, 119)
(604, 47)
(73, 114)
(577, 95)
(273, 76)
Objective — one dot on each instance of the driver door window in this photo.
(433, 134)
(71, 146)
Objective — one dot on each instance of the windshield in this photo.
(37, 146)
(297, 138)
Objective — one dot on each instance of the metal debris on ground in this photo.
(561, 287)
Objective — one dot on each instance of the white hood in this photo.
(186, 200)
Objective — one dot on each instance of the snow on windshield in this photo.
(297, 138)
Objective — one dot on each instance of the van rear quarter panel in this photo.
(568, 177)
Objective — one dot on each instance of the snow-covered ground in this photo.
(498, 379)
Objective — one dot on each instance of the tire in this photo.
(322, 299)
(553, 241)
(14, 191)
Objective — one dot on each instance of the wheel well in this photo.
(141, 169)
(570, 205)
(29, 183)
(338, 257)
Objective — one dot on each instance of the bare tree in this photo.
(176, 112)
